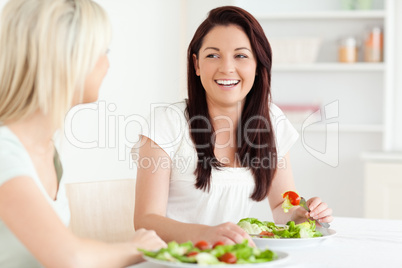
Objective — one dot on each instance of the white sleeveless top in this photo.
(229, 196)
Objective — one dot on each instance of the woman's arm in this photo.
(151, 197)
(283, 182)
(27, 213)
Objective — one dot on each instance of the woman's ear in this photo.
(196, 67)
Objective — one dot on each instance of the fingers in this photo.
(326, 219)
(319, 210)
(230, 233)
(244, 235)
(251, 242)
(233, 232)
(312, 203)
(239, 230)
(148, 239)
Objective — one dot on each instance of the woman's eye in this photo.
(213, 56)
(241, 56)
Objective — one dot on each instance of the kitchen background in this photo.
(329, 77)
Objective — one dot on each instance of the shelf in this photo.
(325, 67)
(369, 128)
(382, 156)
(327, 15)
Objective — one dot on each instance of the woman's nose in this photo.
(227, 65)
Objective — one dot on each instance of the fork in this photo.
(303, 204)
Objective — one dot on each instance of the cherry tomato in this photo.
(192, 253)
(228, 258)
(219, 243)
(293, 197)
(267, 233)
(202, 245)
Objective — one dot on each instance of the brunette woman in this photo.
(205, 161)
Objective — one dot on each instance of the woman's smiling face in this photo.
(226, 65)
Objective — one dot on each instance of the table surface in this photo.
(358, 243)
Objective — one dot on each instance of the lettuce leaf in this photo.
(286, 205)
(204, 258)
(253, 226)
(291, 230)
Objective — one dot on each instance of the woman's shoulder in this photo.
(14, 160)
(8, 140)
(167, 125)
(168, 113)
(275, 111)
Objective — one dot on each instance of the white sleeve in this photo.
(166, 126)
(285, 134)
(13, 161)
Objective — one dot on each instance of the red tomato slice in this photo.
(202, 245)
(192, 253)
(219, 243)
(228, 258)
(293, 197)
(267, 233)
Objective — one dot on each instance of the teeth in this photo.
(227, 82)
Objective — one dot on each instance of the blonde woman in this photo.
(52, 57)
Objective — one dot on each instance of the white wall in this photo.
(147, 66)
(397, 143)
(197, 11)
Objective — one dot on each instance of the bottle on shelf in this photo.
(373, 45)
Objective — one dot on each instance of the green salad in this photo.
(269, 230)
(202, 253)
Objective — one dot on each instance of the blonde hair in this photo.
(47, 48)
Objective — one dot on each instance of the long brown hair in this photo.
(252, 146)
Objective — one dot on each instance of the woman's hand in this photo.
(229, 233)
(148, 240)
(319, 211)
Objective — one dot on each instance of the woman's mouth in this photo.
(227, 82)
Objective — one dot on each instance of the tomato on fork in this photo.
(293, 197)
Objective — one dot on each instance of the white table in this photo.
(358, 243)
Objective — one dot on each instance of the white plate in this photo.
(282, 256)
(286, 243)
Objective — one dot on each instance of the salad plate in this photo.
(269, 235)
(282, 256)
(285, 243)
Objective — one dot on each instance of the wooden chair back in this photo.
(102, 210)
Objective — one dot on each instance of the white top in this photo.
(15, 161)
(231, 188)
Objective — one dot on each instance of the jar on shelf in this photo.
(373, 45)
(348, 50)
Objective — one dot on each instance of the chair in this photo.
(102, 210)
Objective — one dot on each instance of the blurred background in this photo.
(336, 74)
